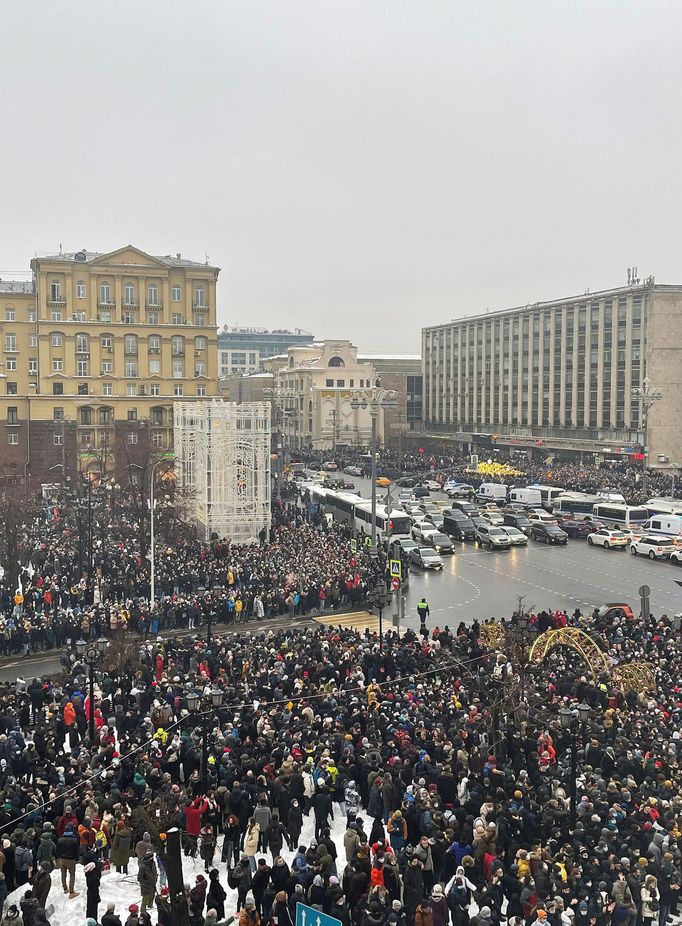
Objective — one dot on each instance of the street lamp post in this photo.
(648, 395)
(279, 395)
(92, 655)
(566, 717)
(374, 398)
(380, 597)
(194, 699)
(152, 554)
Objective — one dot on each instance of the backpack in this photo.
(100, 839)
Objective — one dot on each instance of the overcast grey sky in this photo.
(356, 168)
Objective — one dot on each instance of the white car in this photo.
(607, 538)
(353, 470)
(539, 514)
(496, 518)
(422, 530)
(653, 547)
(517, 537)
(432, 485)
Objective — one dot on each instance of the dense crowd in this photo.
(303, 565)
(423, 784)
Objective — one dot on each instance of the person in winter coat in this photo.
(413, 888)
(397, 831)
(46, 851)
(206, 846)
(280, 915)
(650, 900)
(41, 918)
(216, 895)
(121, 846)
(110, 918)
(323, 809)
(439, 906)
(67, 854)
(29, 908)
(197, 896)
(11, 916)
(146, 877)
(352, 800)
(424, 914)
(248, 915)
(317, 894)
(239, 879)
(351, 841)
(93, 876)
(294, 824)
(42, 884)
(251, 841)
(232, 834)
(262, 815)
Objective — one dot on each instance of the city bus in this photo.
(389, 524)
(576, 505)
(612, 515)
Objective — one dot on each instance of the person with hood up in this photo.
(239, 879)
(121, 846)
(439, 906)
(147, 876)
(280, 915)
(216, 895)
(42, 884)
(93, 876)
(11, 916)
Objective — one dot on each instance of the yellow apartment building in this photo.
(94, 351)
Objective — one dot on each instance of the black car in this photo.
(420, 492)
(467, 508)
(580, 529)
(516, 519)
(458, 525)
(548, 533)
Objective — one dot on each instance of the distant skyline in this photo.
(356, 169)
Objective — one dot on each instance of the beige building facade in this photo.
(314, 385)
(96, 350)
(559, 375)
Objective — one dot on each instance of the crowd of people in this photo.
(425, 783)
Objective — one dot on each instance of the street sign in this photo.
(396, 568)
(396, 583)
(644, 591)
(309, 916)
(353, 545)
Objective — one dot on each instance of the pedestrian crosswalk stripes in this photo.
(356, 620)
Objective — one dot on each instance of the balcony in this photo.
(154, 306)
(199, 307)
(107, 306)
(132, 306)
(57, 303)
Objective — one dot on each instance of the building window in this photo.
(130, 344)
(176, 293)
(130, 369)
(178, 369)
(128, 319)
(201, 390)
(329, 382)
(177, 390)
(32, 315)
(105, 293)
(57, 340)
(11, 388)
(154, 366)
(131, 389)
(86, 416)
(10, 366)
(152, 318)
(106, 342)
(55, 291)
(33, 340)
(153, 294)
(58, 439)
(104, 317)
(58, 413)
(80, 290)
(107, 389)
(154, 344)
(132, 437)
(132, 414)
(177, 319)
(200, 369)
(157, 439)
(12, 415)
(57, 388)
(57, 365)
(199, 320)
(199, 297)
(10, 342)
(200, 343)
(129, 294)
(82, 344)
(10, 315)
(107, 366)
(13, 437)
(177, 345)
(341, 382)
(32, 366)
(56, 316)
(86, 439)
(82, 389)
(336, 362)
(82, 368)
(78, 317)
(351, 383)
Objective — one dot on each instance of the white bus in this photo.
(389, 523)
(577, 505)
(669, 506)
(613, 515)
(547, 494)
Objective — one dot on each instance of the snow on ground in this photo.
(123, 890)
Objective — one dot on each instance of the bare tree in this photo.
(17, 508)
(160, 821)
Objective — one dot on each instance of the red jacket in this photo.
(193, 814)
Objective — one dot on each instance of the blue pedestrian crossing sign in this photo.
(309, 916)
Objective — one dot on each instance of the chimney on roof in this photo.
(178, 255)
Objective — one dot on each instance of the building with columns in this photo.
(95, 351)
(314, 386)
(557, 377)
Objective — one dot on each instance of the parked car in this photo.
(547, 533)
(353, 470)
(514, 508)
(458, 525)
(676, 556)
(517, 537)
(495, 538)
(383, 482)
(421, 531)
(426, 558)
(458, 490)
(539, 514)
(653, 547)
(432, 485)
(402, 545)
(420, 491)
(580, 529)
(465, 506)
(440, 542)
(608, 538)
(519, 521)
(493, 517)
(330, 466)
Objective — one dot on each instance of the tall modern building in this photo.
(559, 376)
(95, 351)
(242, 350)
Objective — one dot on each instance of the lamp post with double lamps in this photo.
(375, 399)
(91, 654)
(568, 723)
(196, 709)
(647, 395)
